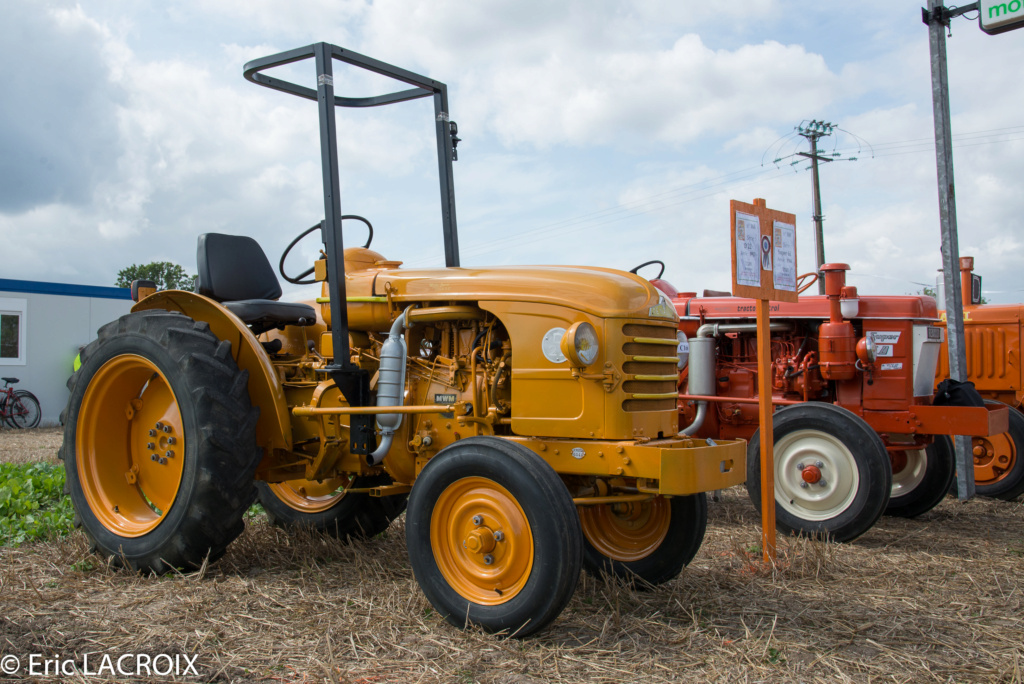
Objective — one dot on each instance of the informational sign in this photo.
(997, 16)
(763, 258)
(764, 252)
(784, 251)
(748, 235)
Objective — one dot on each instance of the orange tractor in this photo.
(524, 418)
(857, 433)
(992, 335)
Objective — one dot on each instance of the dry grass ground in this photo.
(936, 599)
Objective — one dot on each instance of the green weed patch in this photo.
(32, 503)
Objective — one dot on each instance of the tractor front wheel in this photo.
(921, 478)
(159, 442)
(493, 536)
(999, 460)
(327, 506)
(832, 473)
(650, 540)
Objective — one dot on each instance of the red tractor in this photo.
(857, 433)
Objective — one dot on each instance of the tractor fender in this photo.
(274, 429)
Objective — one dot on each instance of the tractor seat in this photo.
(234, 271)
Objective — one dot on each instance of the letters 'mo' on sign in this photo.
(997, 16)
(763, 252)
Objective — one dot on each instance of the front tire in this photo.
(159, 442)
(921, 478)
(651, 541)
(848, 479)
(999, 460)
(328, 507)
(493, 537)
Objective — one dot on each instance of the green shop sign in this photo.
(1001, 15)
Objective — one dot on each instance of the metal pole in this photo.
(819, 231)
(449, 225)
(765, 415)
(937, 20)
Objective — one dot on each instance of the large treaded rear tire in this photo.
(217, 445)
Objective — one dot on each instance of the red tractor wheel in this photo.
(832, 472)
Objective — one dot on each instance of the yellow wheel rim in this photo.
(994, 458)
(482, 541)
(311, 496)
(628, 531)
(130, 445)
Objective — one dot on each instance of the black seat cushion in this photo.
(262, 311)
(234, 270)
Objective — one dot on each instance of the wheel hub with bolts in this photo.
(130, 501)
(816, 475)
(475, 553)
(994, 457)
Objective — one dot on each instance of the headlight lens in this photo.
(580, 344)
(866, 352)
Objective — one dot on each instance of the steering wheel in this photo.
(648, 263)
(298, 280)
(801, 286)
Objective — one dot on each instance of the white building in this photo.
(42, 325)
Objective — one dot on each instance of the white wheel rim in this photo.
(911, 475)
(838, 468)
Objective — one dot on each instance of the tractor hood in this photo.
(815, 306)
(602, 292)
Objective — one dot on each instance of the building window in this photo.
(12, 332)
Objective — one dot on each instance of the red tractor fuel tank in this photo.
(856, 431)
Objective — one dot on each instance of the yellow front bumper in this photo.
(675, 466)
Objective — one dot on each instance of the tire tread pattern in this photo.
(224, 445)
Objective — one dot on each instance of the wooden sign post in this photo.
(764, 268)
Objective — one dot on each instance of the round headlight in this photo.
(866, 352)
(580, 344)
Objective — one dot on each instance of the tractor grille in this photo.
(650, 367)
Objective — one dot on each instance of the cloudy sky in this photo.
(600, 132)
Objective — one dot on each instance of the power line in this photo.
(693, 192)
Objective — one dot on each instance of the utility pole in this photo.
(937, 18)
(813, 131)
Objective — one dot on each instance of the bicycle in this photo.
(18, 408)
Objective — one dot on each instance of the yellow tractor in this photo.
(525, 418)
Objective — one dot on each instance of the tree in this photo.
(166, 275)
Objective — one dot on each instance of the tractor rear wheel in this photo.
(493, 536)
(832, 473)
(159, 442)
(650, 541)
(921, 478)
(999, 460)
(327, 506)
